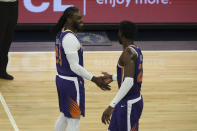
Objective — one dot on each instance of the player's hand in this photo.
(107, 77)
(106, 117)
(99, 81)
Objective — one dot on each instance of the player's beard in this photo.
(77, 26)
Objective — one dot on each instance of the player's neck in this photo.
(127, 43)
(70, 28)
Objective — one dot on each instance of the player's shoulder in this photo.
(69, 36)
(128, 55)
(130, 51)
(70, 42)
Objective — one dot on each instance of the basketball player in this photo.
(126, 107)
(69, 63)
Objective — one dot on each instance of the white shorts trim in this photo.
(129, 108)
(75, 80)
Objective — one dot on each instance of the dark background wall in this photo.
(147, 32)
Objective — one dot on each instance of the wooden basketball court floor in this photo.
(29, 103)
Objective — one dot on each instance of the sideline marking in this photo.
(8, 113)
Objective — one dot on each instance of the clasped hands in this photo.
(103, 81)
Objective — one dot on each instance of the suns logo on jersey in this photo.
(74, 109)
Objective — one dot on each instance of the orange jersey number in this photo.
(140, 75)
(58, 56)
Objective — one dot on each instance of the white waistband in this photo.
(68, 77)
(134, 100)
(129, 108)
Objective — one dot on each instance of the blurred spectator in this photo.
(9, 16)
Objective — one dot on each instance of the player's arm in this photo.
(128, 59)
(71, 46)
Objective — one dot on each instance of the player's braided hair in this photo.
(68, 13)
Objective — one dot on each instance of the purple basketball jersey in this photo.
(138, 74)
(127, 112)
(70, 86)
(63, 67)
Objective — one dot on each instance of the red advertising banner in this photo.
(111, 11)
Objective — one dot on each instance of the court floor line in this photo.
(111, 51)
(8, 113)
(143, 51)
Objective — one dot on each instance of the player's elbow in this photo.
(128, 81)
(75, 68)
